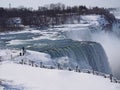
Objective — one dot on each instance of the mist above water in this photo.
(111, 44)
(109, 41)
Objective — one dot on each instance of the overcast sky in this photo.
(36, 3)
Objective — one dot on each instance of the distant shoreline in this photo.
(6, 29)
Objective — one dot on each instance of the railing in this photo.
(59, 67)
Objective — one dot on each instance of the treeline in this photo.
(53, 14)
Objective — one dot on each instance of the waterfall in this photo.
(85, 54)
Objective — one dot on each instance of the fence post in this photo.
(88, 71)
(69, 69)
(76, 68)
(93, 71)
(0, 58)
(22, 61)
(104, 76)
(32, 62)
(79, 70)
(36, 65)
(111, 76)
(41, 65)
(58, 65)
(29, 62)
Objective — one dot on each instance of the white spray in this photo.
(109, 41)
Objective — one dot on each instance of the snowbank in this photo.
(94, 20)
(14, 56)
(33, 78)
(7, 54)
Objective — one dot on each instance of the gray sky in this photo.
(36, 3)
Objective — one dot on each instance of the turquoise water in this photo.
(85, 54)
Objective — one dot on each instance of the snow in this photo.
(86, 21)
(14, 55)
(34, 56)
(7, 54)
(116, 13)
(72, 25)
(25, 77)
(94, 19)
(33, 78)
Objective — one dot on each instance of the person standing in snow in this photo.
(20, 54)
(111, 77)
(23, 50)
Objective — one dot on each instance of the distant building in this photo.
(10, 24)
(14, 22)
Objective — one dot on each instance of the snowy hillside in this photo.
(23, 77)
(95, 21)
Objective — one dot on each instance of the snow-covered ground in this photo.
(25, 77)
(14, 56)
(85, 21)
